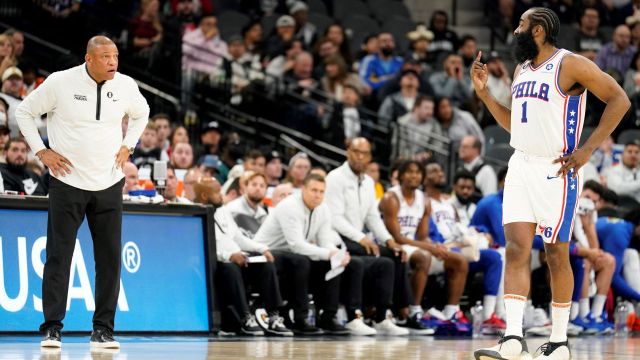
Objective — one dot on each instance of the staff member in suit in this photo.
(85, 105)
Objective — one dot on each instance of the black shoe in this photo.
(276, 326)
(103, 339)
(415, 326)
(554, 350)
(333, 327)
(250, 326)
(52, 338)
(302, 327)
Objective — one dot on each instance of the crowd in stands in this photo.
(392, 236)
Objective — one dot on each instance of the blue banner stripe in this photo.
(571, 123)
(569, 209)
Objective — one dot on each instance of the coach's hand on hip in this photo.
(58, 164)
(122, 156)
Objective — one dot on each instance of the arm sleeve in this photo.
(327, 237)
(334, 199)
(138, 116)
(294, 235)
(225, 246)
(41, 101)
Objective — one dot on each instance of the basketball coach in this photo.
(84, 106)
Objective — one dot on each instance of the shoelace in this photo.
(55, 333)
(278, 322)
(251, 321)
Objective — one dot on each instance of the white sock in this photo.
(584, 308)
(515, 313)
(598, 306)
(575, 309)
(559, 321)
(489, 305)
(450, 310)
(415, 309)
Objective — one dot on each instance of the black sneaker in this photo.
(302, 327)
(276, 326)
(103, 339)
(250, 326)
(554, 350)
(52, 338)
(333, 327)
(415, 326)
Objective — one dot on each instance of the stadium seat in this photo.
(628, 135)
(345, 8)
(232, 19)
(383, 9)
(321, 22)
(399, 26)
(495, 135)
(318, 7)
(499, 154)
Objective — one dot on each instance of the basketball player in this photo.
(406, 214)
(543, 181)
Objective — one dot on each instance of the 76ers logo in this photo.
(545, 231)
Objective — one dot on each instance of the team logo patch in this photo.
(80, 97)
(549, 66)
(109, 94)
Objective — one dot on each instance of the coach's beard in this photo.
(526, 48)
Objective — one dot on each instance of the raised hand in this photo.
(479, 74)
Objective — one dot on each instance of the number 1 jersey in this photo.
(545, 121)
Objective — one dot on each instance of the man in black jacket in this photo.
(15, 174)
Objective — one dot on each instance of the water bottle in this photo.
(311, 315)
(620, 318)
(341, 316)
(477, 313)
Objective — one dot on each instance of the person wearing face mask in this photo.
(15, 175)
(544, 177)
(233, 249)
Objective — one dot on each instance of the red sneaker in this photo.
(493, 325)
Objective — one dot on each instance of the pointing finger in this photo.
(479, 56)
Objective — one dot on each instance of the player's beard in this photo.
(526, 48)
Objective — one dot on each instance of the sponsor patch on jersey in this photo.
(80, 97)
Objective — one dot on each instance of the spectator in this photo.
(280, 193)
(210, 137)
(456, 123)
(5, 134)
(352, 201)
(318, 170)
(11, 87)
(233, 192)
(233, 149)
(242, 69)
(299, 78)
(633, 22)
(617, 54)
(178, 135)
(589, 40)
(248, 211)
(470, 154)
(232, 249)
(300, 235)
(345, 121)
(253, 160)
(418, 132)
(499, 82)
(30, 77)
(17, 39)
(163, 127)
(209, 165)
(336, 76)
(323, 49)
(445, 40)
(191, 178)
(400, 103)
(299, 167)
(284, 61)
(252, 37)
(606, 155)
(182, 156)
(336, 33)
(453, 82)
(468, 51)
(370, 46)
(273, 171)
(420, 39)
(170, 192)
(373, 170)
(285, 34)
(4, 112)
(130, 178)
(147, 151)
(7, 56)
(632, 77)
(305, 30)
(203, 52)
(183, 18)
(624, 178)
(145, 33)
(383, 66)
(15, 175)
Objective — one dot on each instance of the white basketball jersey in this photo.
(544, 120)
(409, 216)
(445, 217)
